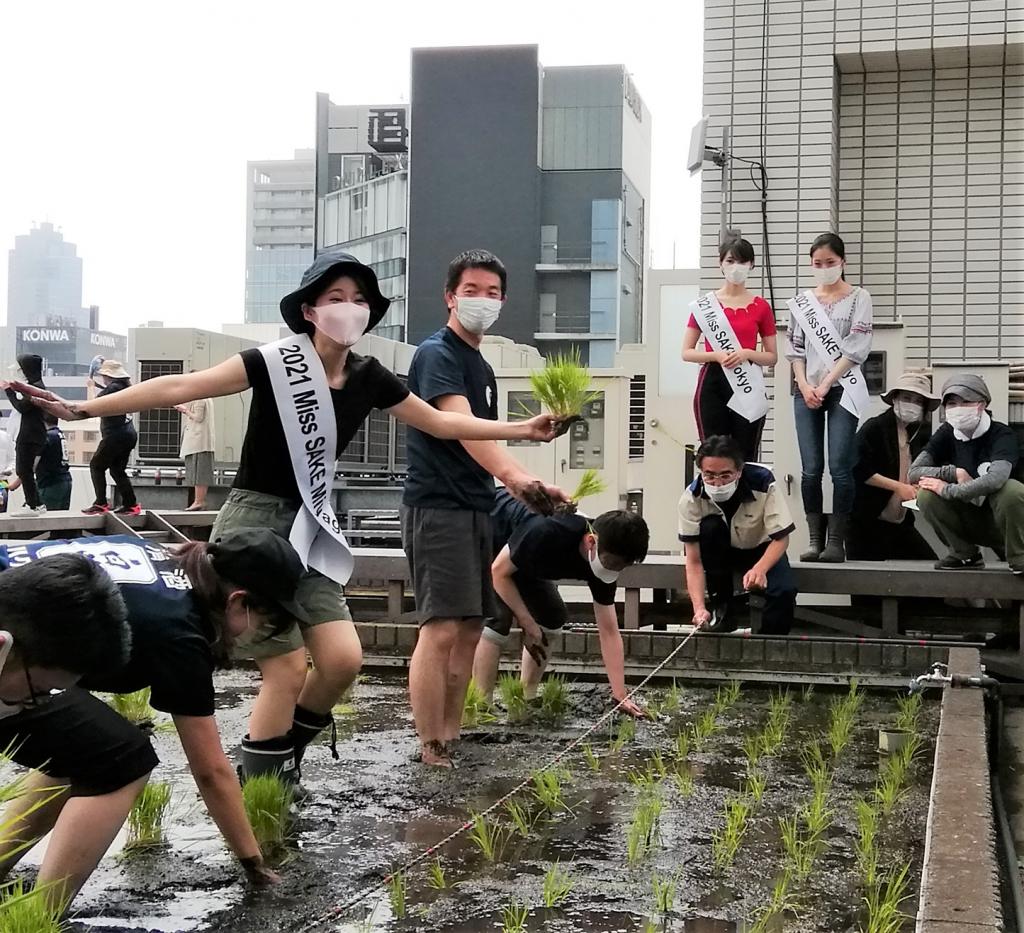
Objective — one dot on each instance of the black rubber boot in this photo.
(835, 550)
(268, 756)
(816, 531)
(306, 726)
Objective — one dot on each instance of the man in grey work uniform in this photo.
(449, 493)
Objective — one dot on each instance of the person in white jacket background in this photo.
(197, 445)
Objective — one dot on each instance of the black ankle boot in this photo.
(306, 726)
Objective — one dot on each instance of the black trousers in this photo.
(112, 454)
(714, 416)
(722, 562)
(26, 455)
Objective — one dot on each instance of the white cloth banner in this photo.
(307, 415)
(822, 338)
(749, 399)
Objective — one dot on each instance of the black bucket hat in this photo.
(327, 266)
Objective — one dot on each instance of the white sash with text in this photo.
(749, 399)
(822, 338)
(304, 403)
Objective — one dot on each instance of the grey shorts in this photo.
(199, 469)
(321, 597)
(541, 598)
(449, 553)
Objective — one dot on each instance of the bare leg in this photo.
(85, 830)
(26, 822)
(460, 669)
(199, 500)
(485, 665)
(532, 674)
(283, 677)
(337, 657)
(428, 680)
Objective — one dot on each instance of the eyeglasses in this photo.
(35, 698)
(723, 477)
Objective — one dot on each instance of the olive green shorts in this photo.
(321, 597)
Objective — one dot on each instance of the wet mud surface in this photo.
(377, 807)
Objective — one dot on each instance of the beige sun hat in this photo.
(112, 369)
(919, 384)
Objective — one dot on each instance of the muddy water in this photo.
(377, 807)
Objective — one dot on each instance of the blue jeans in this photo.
(842, 452)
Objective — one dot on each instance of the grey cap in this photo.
(969, 387)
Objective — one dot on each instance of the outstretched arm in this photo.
(163, 392)
(613, 655)
(452, 425)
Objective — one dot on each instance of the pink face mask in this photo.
(344, 322)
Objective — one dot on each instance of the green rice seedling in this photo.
(841, 723)
(29, 911)
(664, 890)
(673, 698)
(488, 837)
(753, 748)
(684, 782)
(658, 763)
(513, 918)
(816, 767)
(591, 759)
(563, 385)
(134, 706)
(547, 789)
(625, 733)
(807, 693)
(883, 902)
(437, 877)
(816, 815)
(779, 901)
(909, 711)
(590, 484)
(643, 830)
(727, 696)
(478, 708)
(773, 736)
(522, 822)
(888, 792)
(557, 885)
(725, 843)
(554, 698)
(146, 817)
(513, 697)
(756, 785)
(798, 848)
(396, 894)
(682, 746)
(866, 843)
(644, 781)
(705, 727)
(267, 799)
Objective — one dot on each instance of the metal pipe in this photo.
(1002, 821)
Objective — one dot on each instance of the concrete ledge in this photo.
(960, 878)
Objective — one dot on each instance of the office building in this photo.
(898, 125)
(44, 280)
(279, 231)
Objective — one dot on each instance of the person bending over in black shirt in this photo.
(533, 553)
(119, 614)
(337, 301)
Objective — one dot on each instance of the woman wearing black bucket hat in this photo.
(284, 480)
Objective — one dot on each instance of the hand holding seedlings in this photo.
(534, 641)
(258, 873)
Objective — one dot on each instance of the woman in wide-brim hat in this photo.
(118, 438)
(337, 301)
(882, 528)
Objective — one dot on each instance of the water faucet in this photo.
(938, 676)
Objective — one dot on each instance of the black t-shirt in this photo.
(266, 465)
(53, 461)
(114, 424)
(999, 442)
(548, 547)
(441, 474)
(170, 641)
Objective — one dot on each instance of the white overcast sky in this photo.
(128, 125)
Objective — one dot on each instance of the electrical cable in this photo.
(341, 909)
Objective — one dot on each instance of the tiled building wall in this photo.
(793, 79)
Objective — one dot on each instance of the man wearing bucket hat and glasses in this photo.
(311, 394)
(965, 474)
(881, 528)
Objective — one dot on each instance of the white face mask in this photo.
(736, 273)
(908, 412)
(827, 275)
(600, 571)
(722, 493)
(965, 418)
(342, 321)
(477, 314)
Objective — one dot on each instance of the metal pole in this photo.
(723, 226)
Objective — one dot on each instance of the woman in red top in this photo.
(750, 315)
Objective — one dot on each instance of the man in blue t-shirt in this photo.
(449, 493)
